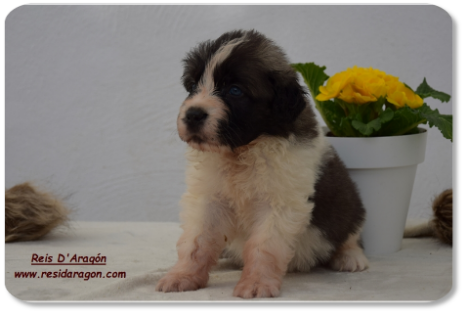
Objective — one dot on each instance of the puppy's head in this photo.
(240, 86)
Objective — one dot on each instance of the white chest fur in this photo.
(265, 186)
(271, 170)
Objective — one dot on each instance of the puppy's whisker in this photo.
(173, 133)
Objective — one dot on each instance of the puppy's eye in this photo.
(194, 87)
(235, 91)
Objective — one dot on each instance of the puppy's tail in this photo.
(31, 214)
(440, 225)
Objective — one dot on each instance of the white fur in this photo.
(266, 187)
(350, 256)
(312, 248)
(223, 52)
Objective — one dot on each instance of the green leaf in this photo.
(377, 106)
(443, 122)
(369, 128)
(387, 115)
(314, 76)
(404, 121)
(335, 118)
(333, 112)
(363, 112)
(424, 91)
(347, 129)
(414, 130)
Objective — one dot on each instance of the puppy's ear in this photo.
(289, 98)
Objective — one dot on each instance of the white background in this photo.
(92, 92)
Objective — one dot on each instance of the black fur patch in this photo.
(338, 210)
(272, 98)
(198, 58)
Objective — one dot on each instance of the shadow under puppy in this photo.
(263, 184)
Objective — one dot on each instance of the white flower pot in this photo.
(383, 169)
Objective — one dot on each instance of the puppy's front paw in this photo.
(177, 282)
(249, 288)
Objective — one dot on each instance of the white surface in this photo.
(421, 271)
(92, 92)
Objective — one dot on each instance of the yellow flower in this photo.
(334, 86)
(362, 85)
(355, 85)
(400, 95)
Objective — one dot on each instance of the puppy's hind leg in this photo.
(349, 256)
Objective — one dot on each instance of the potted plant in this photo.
(373, 123)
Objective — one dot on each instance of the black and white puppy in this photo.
(263, 184)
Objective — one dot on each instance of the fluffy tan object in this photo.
(442, 222)
(440, 225)
(30, 213)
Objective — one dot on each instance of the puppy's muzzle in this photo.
(195, 118)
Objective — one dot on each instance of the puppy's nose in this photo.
(195, 117)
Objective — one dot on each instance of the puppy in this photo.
(263, 184)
